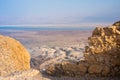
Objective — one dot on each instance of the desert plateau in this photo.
(61, 55)
(59, 40)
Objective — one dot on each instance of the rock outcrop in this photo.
(101, 57)
(13, 56)
(117, 23)
(103, 52)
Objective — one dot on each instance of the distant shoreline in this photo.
(45, 28)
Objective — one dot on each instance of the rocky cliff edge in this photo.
(102, 56)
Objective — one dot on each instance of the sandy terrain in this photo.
(35, 40)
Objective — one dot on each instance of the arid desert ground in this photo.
(48, 46)
(35, 40)
(53, 46)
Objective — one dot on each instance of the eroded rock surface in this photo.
(101, 57)
(13, 56)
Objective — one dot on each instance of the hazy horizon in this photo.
(59, 13)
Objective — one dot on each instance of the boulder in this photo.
(13, 56)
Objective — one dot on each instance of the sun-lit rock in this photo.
(101, 56)
(13, 56)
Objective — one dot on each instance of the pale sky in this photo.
(68, 13)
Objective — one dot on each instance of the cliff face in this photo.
(13, 56)
(102, 56)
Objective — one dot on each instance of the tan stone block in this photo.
(69, 67)
(82, 68)
(105, 71)
(95, 69)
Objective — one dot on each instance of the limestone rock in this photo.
(104, 49)
(82, 68)
(101, 56)
(67, 69)
(67, 66)
(95, 69)
(116, 23)
(13, 56)
(106, 71)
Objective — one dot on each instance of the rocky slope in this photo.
(102, 56)
(13, 56)
(51, 55)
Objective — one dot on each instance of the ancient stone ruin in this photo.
(102, 56)
(13, 56)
